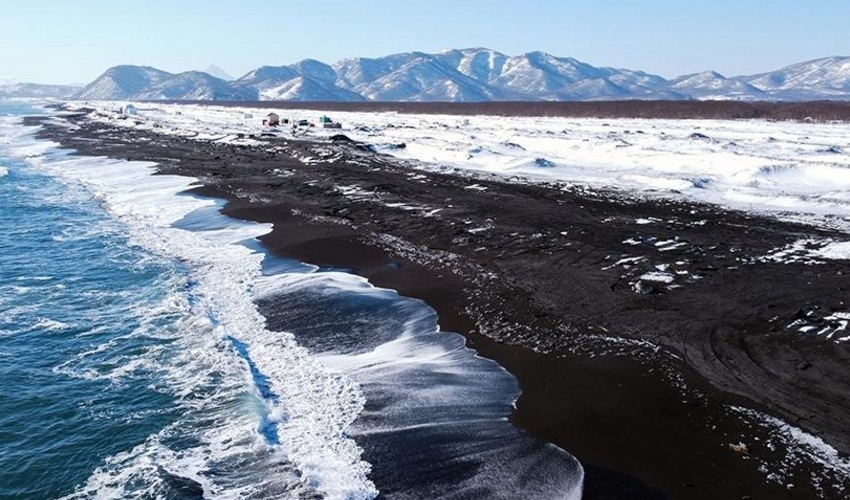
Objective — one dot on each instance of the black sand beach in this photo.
(633, 379)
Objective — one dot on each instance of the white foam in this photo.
(420, 378)
(315, 406)
(51, 325)
(18, 140)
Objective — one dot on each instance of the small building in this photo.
(129, 110)
(326, 122)
(273, 120)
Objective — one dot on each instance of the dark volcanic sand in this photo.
(539, 293)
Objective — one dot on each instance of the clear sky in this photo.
(74, 41)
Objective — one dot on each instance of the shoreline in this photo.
(546, 404)
(699, 110)
(618, 394)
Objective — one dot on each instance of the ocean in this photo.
(135, 361)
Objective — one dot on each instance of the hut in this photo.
(328, 123)
(129, 110)
(273, 120)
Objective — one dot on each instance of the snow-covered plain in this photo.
(796, 171)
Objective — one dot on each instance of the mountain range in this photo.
(469, 75)
(14, 89)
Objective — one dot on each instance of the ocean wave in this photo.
(424, 390)
(313, 407)
(51, 325)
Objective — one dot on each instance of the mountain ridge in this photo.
(471, 75)
(40, 90)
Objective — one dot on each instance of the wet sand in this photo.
(636, 384)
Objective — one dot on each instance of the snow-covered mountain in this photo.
(308, 80)
(37, 90)
(266, 77)
(305, 88)
(827, 78)
(413, 76)
(483, 65)
(713, 85)
(197, 86)
(538, 73)
(146, 83)
(123, 82)
(474, 74)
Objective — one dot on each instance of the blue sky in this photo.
(66, 41)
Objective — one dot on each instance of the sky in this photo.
(74, 41)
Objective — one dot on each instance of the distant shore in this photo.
(538, 294)
(707, 110)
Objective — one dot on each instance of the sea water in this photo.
(135, 361)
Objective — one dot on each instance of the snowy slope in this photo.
(304, 88)
(639, 83)
(266, 77)
(481, 64)
(592, 89)
(308, 80)
(197, 86)
(544, 75)
(417, 77)
(123, 82)
(357, 71)
(713, 85)
(316, 70)
(827, 78)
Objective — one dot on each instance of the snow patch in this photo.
(834, 251)
(658, 276)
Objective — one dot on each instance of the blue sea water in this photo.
(75, 303)
(135, 363)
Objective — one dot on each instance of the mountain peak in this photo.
(217, 72)
(697, 79)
